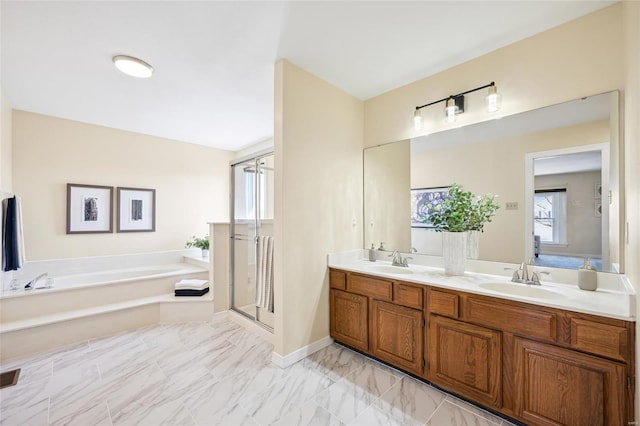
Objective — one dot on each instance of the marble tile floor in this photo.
(218, 373)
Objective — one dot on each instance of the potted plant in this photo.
(461, 214)
(201, 243)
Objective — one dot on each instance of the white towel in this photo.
(21, 251)
(191, 284)
(264, 280)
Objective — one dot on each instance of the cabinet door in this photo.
(466, 359)
(349, 319)
(557, 386)
(396, 335)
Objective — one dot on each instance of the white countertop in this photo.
(614, 297)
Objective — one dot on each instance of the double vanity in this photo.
(542, 355)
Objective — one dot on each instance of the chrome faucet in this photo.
(398, 260)
(32, 284)
(521, 275)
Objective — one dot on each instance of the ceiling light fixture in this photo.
(133, 66)
(455, 104)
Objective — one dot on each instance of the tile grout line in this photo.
(436, 410)
(475, 414)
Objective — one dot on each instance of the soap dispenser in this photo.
(587, 276)
(372, 253)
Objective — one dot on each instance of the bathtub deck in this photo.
(39, 334)
(8, 327)
(48, 319)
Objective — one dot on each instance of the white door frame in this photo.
(530, 191)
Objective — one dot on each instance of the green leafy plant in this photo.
(201, 243)
(463, 211)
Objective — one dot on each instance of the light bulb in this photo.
(133, 66)
(417, 120)
(493, 100)
(451, 110)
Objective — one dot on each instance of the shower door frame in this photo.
(255, 158)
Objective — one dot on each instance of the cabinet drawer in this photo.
(516, 319)
(337, 279)
(372, 287)
(602, 339)
(443, 303)
(408, 295)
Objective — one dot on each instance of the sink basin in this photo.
(523, 290)
(385, 269)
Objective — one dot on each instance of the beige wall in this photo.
(497, 167)
(387, 201)
(582, 57)
(191, 182)
(5, 144)
(318, 148)
(632, 155)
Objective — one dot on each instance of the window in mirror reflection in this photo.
(550, 216)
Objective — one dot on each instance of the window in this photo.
(550, 215)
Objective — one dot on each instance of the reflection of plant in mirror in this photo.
(463, 211)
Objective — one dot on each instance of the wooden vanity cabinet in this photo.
(466, 358)
(559, 386)
(396, 335)
(538, 365)
(350, 319)
(381, 317)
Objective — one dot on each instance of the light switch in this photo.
(512, 205)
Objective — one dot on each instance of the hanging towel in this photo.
(13, 255)
(264, 282)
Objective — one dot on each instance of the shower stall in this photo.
(251, 245)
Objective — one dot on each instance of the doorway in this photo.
(568, 207)
(251, 245)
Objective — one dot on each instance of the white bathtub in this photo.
(119, 275)
(93, 297)
(91, 285)
(102, 270)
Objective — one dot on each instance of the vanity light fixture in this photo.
(493, 100)
(133, 66)
(417, 119)
(455, 104)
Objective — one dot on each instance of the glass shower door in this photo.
(252, 189)
(243, 234)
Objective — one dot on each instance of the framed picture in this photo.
(136, 210)
(423, 203)
(89, 209)
(597, 191)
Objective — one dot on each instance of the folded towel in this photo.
(192, 284)
(192, 292)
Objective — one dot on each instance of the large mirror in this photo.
(555, 170)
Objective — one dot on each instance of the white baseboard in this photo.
(303, 352)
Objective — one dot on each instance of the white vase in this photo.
(205, 253)
(473, 244)
(454, 251)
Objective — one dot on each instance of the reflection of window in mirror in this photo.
(550, 216)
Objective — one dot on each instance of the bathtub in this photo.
(118, 275)
(93, 297)
(102, 270)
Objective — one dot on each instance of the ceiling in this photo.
(214, 61)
